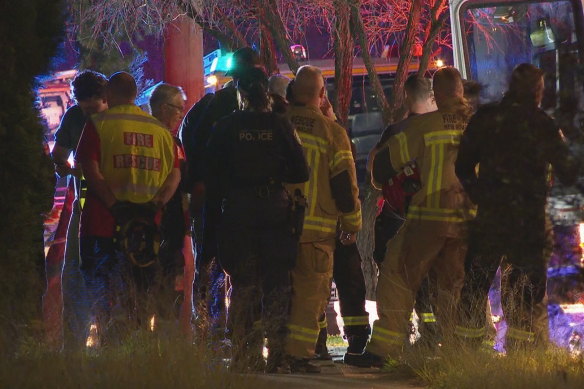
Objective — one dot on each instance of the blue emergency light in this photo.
(217, 62)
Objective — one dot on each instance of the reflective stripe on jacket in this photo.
(140, 152)
(328, 153)
(432, 140)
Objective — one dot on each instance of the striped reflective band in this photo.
(353, 219)
(343, 155)
(322, 324)
(437, 141)
(440, 214)
(386, 336)
(428, 317)
(403, 147)
(316, 223)
(302, 334)
(315, 142)
(435, 179)
(466, 332)
(443, 137)
(518, 334)
(355, 321)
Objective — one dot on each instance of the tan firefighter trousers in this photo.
(311, 281)
(417, 248)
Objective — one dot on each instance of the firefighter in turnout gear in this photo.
(514, 141)
(436, 216)
(332, 197)
(397, 194)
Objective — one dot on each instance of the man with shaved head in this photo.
(128, 158)
(436, 216)
(332, 199)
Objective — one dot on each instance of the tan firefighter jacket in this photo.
(331, 192)
(432, 140)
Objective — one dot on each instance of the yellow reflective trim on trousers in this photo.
(428, 317)
(322, 324)
(355, 320)
(302, 338)
(303, 330)
(387, 336)
(302, 334)
(518, 334)
(341, 156)
(467, 332)
(403, 147)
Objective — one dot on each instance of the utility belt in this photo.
(262, 191)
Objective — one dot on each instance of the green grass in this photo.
(144, 360)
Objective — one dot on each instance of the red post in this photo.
(183, 58)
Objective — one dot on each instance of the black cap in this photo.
(251, 77)
(243, 58)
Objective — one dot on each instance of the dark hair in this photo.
(524, 83)
(89, 84)
(418, 87)
(254, 82)
(123, 85)
(472, 89)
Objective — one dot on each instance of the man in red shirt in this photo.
(128, 157)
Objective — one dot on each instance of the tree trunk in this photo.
(405, 56)
(438, 17)
(358, 31)
(343, 47)
(278, 29)
(267, 49)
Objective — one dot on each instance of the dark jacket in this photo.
(513, 145)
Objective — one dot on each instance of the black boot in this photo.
(320, 349)
(357, 336)
(366, 359)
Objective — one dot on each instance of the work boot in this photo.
(366, 359)
(302, 365)
(320, 350)
(357, 336)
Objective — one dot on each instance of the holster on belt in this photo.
(297, 210)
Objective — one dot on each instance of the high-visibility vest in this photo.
(137, 152)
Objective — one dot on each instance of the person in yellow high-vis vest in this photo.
(126, 155)
(332, 197)
(432, 237)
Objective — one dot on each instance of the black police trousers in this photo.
(257, 250)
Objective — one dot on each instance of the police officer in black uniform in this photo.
(251, 153)
(208, 290)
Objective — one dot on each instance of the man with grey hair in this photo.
(167, 104)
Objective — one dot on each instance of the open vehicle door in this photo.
(489, 39)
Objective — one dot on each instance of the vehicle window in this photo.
(500, 37)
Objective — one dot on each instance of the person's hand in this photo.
(327, 109)
(348, 238)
